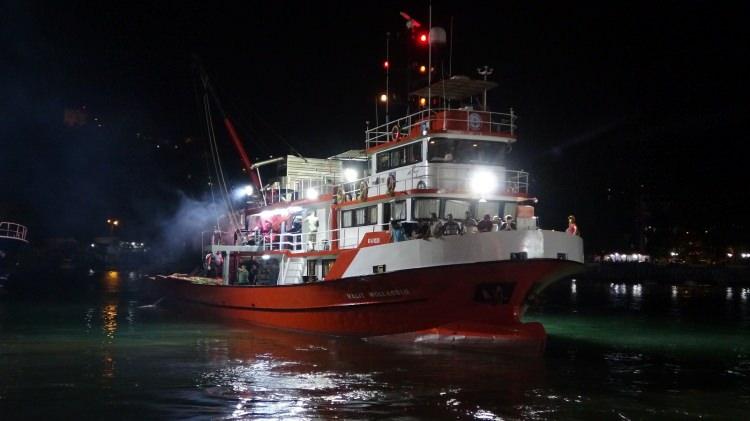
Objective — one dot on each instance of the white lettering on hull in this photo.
(379, 294)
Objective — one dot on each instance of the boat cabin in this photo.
(447, 161)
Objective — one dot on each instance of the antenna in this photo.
(450, 52)
(429, 64)
(485, 71)
(387, 73)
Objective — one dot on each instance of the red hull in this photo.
(483, 300)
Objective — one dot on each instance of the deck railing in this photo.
(420, 177)
(13, 231)
(443, 178)
(442, 120)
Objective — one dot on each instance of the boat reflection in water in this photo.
(267, 373)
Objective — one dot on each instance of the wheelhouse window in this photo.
(398, 157)
(360, 216)
(465, 151)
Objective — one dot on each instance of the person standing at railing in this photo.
(451, 227)
(243, 275)
(397, 232)
(485, 225)
(436, 226)
(469, 224)
(509, 224)
(312, 230)
(572, 226)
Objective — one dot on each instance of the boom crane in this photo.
(246, 163)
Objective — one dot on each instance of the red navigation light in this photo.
(422, 69)
(423, 38)
(385, 64)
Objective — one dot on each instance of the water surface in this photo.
(95, 348)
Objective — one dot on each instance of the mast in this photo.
(236, 141)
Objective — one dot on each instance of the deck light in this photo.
(423, 69)
(383, 98)
(265, 256)
(350, 175)
(483, 182)
(311, 193)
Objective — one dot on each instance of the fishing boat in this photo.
(12, 241)
(422, 235)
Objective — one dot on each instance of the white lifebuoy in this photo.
(395, 132)
(391, 184)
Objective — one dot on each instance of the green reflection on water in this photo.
(646, 334)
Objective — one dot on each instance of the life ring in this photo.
(391, 184)
(362, 193)
(395, 132)
(421, 185)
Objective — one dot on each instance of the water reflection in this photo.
(265, 373)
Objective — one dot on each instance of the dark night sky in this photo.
(610, 98)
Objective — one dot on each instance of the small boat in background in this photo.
(13, 239)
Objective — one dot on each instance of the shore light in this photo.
(350, 175)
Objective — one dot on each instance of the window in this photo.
(398, 210)
(346, 219)
(327, 264)
(394, 211)
(465, 151)
(457, 208)
(423, 208)
(487, 208)
(312, 269)
(398, 157)
(383, 161)
(360, 216)
(510, 208)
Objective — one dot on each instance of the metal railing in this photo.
(443, 177)
(442, 120)
(446, 179)
(302, 188)
(317, 241)
(13, 231)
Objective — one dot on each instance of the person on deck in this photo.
(572, 226)
(509, 224)
(485, 225)
(397, 232)
(312, 230)
(436, 226)
(451, 227)
(243, 275)
(219, 263)
(469, 224)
